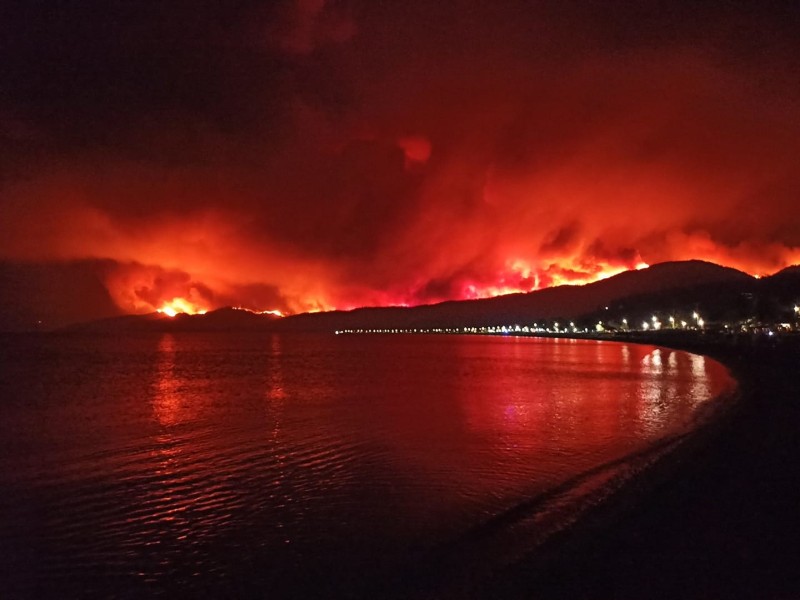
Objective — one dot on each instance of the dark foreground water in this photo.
(288, 466)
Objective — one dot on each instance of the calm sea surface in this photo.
(290, 466)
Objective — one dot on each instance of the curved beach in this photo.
(716, 519)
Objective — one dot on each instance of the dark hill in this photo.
(558, 302)
(223, 319)
(126, 323)
(788, 272)
(766, 300)
(661, 280)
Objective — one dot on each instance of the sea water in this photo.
(292, 466)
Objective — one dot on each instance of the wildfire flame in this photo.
(180, 306)
(275, 312)
(522, 277)
(435, 176)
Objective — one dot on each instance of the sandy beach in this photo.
(719, 518)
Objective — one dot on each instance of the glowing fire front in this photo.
(519, 277)
(180, 305)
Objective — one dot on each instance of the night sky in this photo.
(311, 154)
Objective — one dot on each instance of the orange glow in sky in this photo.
(339, 158)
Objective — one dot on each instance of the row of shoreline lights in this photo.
(557, 328)
(657, 324)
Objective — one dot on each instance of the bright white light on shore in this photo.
(700, 322)
(645, 325)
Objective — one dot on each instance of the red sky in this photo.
(312, 154)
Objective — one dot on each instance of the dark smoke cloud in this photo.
(309, 154)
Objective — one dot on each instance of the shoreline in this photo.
(716, 518)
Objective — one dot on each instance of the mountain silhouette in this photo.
(720, 293)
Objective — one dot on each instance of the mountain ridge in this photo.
(566, 301)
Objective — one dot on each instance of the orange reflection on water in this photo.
(670, 394)
(276, 441)
(275, 383)
(183, 452)
(166, 397)
(580, 396)
(166, 449)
